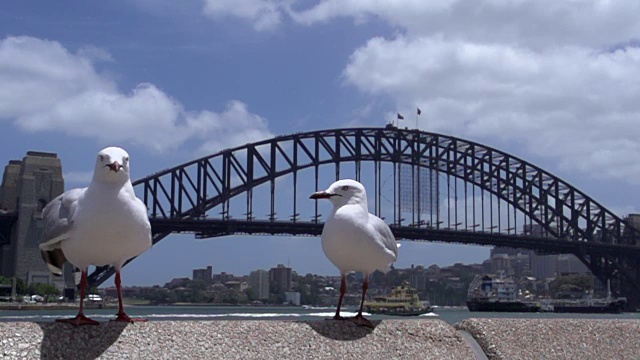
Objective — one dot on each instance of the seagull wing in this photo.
(388, 240)
(58, 221)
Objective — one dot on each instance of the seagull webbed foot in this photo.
(337, 317)
(122, 317)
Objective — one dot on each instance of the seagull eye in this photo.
(126, 159)
(345, 188)
(101, 158)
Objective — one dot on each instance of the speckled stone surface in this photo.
(555, 338)
(391, 339)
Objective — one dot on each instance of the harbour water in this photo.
(212, 313)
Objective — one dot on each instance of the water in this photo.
(208, 313)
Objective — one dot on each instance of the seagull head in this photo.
(344, 192)
(112, 165)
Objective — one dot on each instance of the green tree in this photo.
(571, 283)
(21, 287)
(42, 289)
(251, 295)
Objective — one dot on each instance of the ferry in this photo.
(403, 301)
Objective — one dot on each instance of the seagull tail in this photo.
(54, 259)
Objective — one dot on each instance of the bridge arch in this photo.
(566, 219)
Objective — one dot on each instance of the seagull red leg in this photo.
(360, 319)
(80, 319)
(343, 289)
(121, 316)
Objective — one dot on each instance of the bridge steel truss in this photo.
(506, 201)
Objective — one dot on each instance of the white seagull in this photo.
(103, 224)
(353, 239)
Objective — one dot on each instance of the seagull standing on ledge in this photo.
(103, 224)
(355, 240)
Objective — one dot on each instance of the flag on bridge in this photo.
(419, 111)
(400, 117)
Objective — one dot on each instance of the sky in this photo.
(553, 82)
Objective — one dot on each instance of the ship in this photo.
(591, 306)
(402, 301)
(498, 294)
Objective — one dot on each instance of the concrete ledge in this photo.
(410, 339)
(391, 339)
(555, 338)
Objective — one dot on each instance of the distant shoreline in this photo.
(63, 306)
(67, 306)
(220, 304)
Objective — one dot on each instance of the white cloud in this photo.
(263, 14)
(569, 101)
(47, 88)
(525, 22)
(535, 23)
(226, 126)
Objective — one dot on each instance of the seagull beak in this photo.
(115, 166)
(320, 195)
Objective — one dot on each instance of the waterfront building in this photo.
(259, 282)
(280, 279)
(222, 278)
(292, 297)
(205, 275)
(501, 263)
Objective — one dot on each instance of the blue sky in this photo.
(555, 83)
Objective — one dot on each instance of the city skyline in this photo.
(172, 82)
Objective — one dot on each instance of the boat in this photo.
(589, 305)
(595, 306)
(402, 301)
(497, 294)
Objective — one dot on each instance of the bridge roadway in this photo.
(204, 228)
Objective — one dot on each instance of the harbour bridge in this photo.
(426, 186)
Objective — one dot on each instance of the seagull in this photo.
(102, 224)
(355, 240)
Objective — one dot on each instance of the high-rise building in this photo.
(521, 265)
(259, 282)
(205, 275)
(27, 186)
(280, 279)
(501, 263)
(544, 266)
